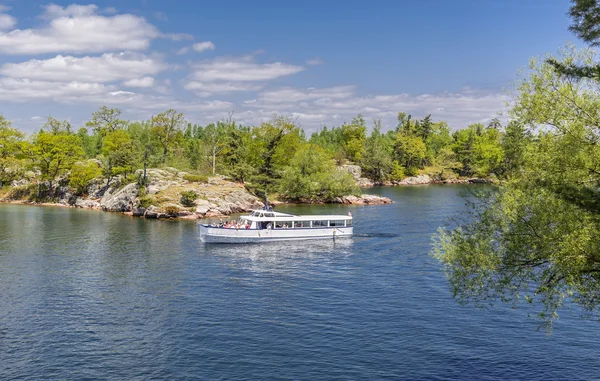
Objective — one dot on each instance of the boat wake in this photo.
(377, 235)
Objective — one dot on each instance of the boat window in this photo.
(265, 225)
(349, 222)
(261, 215)
(302, 224)
(269, 215)
(336, 223)
(319, 224)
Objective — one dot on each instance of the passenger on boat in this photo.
(247, 226)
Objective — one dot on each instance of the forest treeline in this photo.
(275, 157)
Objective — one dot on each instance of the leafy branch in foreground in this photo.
(537, 237)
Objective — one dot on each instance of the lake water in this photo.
(92, 295)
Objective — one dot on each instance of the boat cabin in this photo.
(264, 219)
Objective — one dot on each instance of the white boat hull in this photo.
(211, 234)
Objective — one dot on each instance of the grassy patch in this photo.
(195, 178)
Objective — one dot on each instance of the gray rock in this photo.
(366, 199)
(120, 200)
(138, 212)
(416, 180)
(86, 204)
(354, 170)
(363, 182)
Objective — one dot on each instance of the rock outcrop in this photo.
(119, 200)
(217, 196)
(365, 199)
(416, 180)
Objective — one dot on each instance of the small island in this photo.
(166, 167)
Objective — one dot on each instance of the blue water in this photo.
(92, 295)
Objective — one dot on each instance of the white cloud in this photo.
(7, 21)
(240, 69)
(332, 106)
(78, 29)
(292, 95)
(177, 36)
(183, 50)
(111, 10)
(206, 89)
(36, 118)
(21, 90)
(53, 11)
(94, 94)
(202, 46)
(105, 68)
(314, 62)
(140, 82)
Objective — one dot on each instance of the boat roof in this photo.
(268, 215)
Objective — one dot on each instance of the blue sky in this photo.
(320, 62)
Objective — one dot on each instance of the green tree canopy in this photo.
(536, 238)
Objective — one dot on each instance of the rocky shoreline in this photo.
(364, 182)
(161, 198)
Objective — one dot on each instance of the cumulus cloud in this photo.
(105, 68)
(7, 21)
(202, 46)
(206, 89)
(21, 90)
(53, 11)
(183, 50)
(240, 69)
(315, 107)
(78, 29)
(293, 95)
(140, 82)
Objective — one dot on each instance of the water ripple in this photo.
(88, 295)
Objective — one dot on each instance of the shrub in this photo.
(82, 174)
(22, 192)
(171, 210)
(188, 197)
(398, 172)
(146, 201)
(195, 178)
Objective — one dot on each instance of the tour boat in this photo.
(270, 226)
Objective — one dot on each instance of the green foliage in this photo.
(171, 210)
(353, 137)
(167, 129)
(82, 173)
(53, 154)
(410, 151)
(398, 172)
(188, 198)
(119, 154)
(377, 163)
(106, 120)
(23, 192)
(536, 237)
(11, 141)
(146, 201)
(514, 143)
(312, 176)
